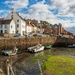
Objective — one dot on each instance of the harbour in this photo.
(24, 63)
(37, 37)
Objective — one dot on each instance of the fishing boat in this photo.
(48, 46)
(36, 48)
(13, 53)
(10, 52)
(71, 46)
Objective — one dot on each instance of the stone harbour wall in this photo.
(23, 43)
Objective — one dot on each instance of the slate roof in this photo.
(19, 16)
(5, 21)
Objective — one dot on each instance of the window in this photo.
(56, 27)
(1, 31)
(5, 31)
(17, 31)
(0, 26)
(12, 31)
(23, 32)
(17, 25)
(11, 26)
(5, 26)
(12, 12)
(17, 20)
(11, 16)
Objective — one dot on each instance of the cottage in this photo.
(31, 26)
(19, 21)
(7, 26)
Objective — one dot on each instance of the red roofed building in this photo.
(1, 19)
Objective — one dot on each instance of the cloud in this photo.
(56, 11)
(3, 13)
(39, 11)
(64, 6)
(17, 4)
(66, 12)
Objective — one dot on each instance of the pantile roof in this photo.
(1, 19)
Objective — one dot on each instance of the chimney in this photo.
(60, 28)
(12, 9)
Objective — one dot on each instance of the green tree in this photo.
(44, 22)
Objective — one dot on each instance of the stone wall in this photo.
(22, 43)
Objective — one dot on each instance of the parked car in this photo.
(34, 35)
(38, 34)
(16, 35)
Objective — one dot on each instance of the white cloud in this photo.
(17, 4)
(42, 11)
(64, 6)
(3, 13)
(39, 11)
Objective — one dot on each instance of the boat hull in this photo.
(10, 52)
(39, 49)
(48, 47)
(71, 46)
(36, 48)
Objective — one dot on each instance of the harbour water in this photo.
(23, 63)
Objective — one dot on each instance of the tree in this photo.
(44, 22)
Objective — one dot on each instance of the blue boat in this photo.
(10, 52)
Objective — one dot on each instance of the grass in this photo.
(59, 65)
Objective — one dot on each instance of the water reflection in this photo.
(39, 53)
(23, 63)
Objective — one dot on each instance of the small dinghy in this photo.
(10, 52)
(48, 46)
(36, 48)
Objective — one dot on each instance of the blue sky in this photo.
(53, 11)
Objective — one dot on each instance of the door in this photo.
(1, 31)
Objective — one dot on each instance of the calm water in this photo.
(23, 63)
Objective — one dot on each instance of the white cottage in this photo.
(19, 21)
(7, 26)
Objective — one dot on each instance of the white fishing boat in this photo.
(36, 48)
(10, 52)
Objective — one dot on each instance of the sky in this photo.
(53, 11)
